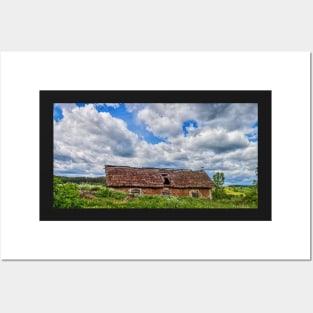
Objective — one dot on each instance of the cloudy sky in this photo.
(210, 136)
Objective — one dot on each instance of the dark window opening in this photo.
(135, 191)
(166, 192)
(166, 179)
(195, 194)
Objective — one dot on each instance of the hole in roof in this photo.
(166, 179)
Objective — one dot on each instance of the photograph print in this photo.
(198, 159)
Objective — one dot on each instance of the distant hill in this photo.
(238, 185)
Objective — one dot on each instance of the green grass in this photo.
(98, 196)
(234, 191)
(239, 190)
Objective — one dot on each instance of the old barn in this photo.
(159, 181)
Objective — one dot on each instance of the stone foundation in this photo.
(178, 192)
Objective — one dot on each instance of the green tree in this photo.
(218, 179)
(255, 181)
(252, 195)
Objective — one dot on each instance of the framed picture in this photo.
(155, 155)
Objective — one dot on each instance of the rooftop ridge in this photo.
(156, 168)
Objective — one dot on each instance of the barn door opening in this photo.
(194, 193)
(166, 192)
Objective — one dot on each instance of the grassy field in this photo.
(72, 195)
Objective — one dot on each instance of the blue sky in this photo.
(215, 137)
(119, 112)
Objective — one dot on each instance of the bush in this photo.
(219, 193)
(110, 193)
(90, 187)
(104, 193)
(252, 195)
(65, 195)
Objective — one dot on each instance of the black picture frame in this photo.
(262, 97)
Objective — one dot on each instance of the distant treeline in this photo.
(82, 180)
(238, 185)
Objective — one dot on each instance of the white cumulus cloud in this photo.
(216, 137)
